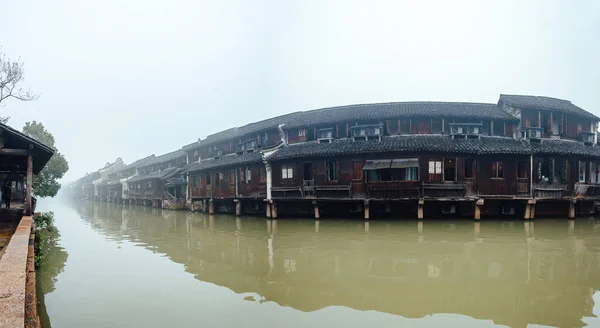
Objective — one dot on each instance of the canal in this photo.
(130, 266)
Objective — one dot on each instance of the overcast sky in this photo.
(129, 78)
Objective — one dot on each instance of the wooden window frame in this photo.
(495, 170)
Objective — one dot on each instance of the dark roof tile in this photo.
(397, 144)
(224, 161)
(545, 103)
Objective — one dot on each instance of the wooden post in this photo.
(531, 203)
(211, 207)
(28, 203)
(238, 207)
(420, 209)
(367, 214)
(316, 207)
(274, 210)
(268, 208)
(572, 209)
(478, 205)
(527, 212)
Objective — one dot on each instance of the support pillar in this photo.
(531, 203)
(211, 207)
(268, 208)
(274, 211)
(367, 214)
(28, 203)
(527, 215)
(316, 207)
(420, 209)
(238, 207)
(572, 209)
(204, 206)
(478, 205)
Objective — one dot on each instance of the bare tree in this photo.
(11, 74)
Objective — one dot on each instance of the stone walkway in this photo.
(13, 275)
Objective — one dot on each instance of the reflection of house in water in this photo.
(512, 274)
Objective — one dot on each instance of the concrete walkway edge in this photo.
(13, 276)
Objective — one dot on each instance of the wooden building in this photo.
(159, 182)
(521, 156)
(20, 158)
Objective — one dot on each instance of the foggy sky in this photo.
(129, 78)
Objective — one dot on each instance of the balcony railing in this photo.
(394, 189)
(444, 190)
(550, 189)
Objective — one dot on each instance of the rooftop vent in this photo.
(587, 137)
(465, 130)
(325, 135)
(534, 134)
(366, 132)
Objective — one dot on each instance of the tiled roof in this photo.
(237, 132)
(165, 157)
(545, 103)
(399, 109)
(164, 174)
(224, 161)
(412, 143)
(359, 113)
(140, 162)
(565, 148)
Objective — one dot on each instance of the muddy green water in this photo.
(140, 267)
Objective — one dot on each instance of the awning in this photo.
(402, 163)
(377, 164)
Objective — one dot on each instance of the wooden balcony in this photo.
(394, 189)
(201, 191)
(587, 190)
(550, 190)
(444, 190)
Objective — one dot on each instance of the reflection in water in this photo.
(507, 272)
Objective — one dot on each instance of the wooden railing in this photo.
(550, 189)
(441, 190)
(587, 190)
(394, 189)
(523, 187)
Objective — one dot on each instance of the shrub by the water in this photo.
(46, 235)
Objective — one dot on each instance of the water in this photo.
(140, 267)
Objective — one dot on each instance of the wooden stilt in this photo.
(316, 207)
(572, 210)
(420, 209)
(367, 214)
(238, 207)
(478, 205)
(527, 212)
(211, 207)
(274, 211)
(268, 208)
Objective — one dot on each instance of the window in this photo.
(404, 126)
(498, 129)
(405, 174)
(593, 172)
(287, 172)
(522, 168)
(332, 172)
(241, 174)
(301, 132)
(262, 175)
(435, 170)
(325, 134)
(207, 178)
(469, 166)
(196, 181)
(498, 170)
(436, 125)
(581, 171)
(248, 175)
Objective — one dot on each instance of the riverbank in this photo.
(17, 274)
